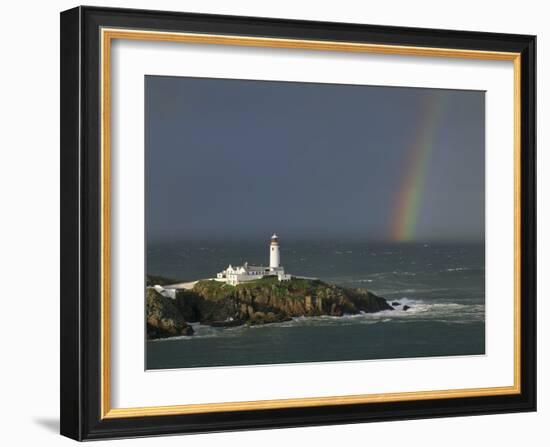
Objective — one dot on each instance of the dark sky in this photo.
(238, 158)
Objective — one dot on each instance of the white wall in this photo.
(29, 240)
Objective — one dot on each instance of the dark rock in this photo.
(163, 318)
(405, 307)
(396, 303)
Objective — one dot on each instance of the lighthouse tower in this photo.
(274, 255)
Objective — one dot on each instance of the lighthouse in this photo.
(237, 275)
(274, 255)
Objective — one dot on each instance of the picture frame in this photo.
(87, 35)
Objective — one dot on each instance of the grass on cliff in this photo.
(299, 286)
(153, 280)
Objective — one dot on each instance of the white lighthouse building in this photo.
(274, 254)
(236, 275)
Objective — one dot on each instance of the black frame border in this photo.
(80, 190)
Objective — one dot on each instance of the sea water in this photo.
(442, 283)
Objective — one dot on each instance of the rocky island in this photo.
(261, 301)
(249, 295)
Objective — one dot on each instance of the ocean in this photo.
(442, 283)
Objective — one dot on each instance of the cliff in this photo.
(257, 302)
(163, 317)
(268, 300)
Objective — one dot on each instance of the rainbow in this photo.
(409, 195)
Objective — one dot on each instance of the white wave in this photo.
(403, 292)
(418, 310)
(397, 272)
